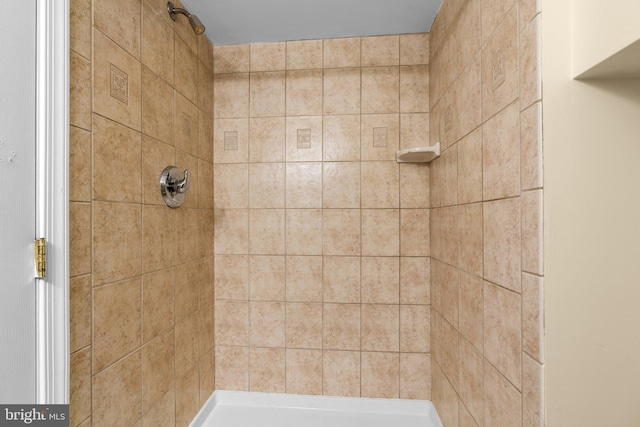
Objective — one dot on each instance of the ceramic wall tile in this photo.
(341, 279)
(157, 107)
(267, 56)
(266, 185)
(380, 184)
(341, 373)
(380, 327)
(80, 386)
(380, 232)
(267, 139)
(304, 54)
(415, 376)
(304, 325)
(116, 82)
(341, 185)
(303, 232)
(117, 393)
(414, 88)
(341, 138)
(340, 53)
(531, 147)
(157, 369)
(156, 36)
(114, 225)
(79, 238)
(304, 371)
(304, 278)
(231, 58)
(380, 375)
(502, 242)
(415, 280)
(380, 136)
(266, 278)
(414, 49)
(532, 232)
(231, 277)
(502, 331)
(231, 95)
(500, 155)
(341, 91)
(267, 94)
(341, 326)
(80, 310)
(80, 27)
(232, 368)
(414, 328)
(380, 280)
(267, 231)
(230, 140)
(382, 50)
(341, 232)
(304, 185)
(503, 402)
(500, 68)
(267, 324)
(303, 93)
(158, 306)
(380, 89)
(304, 139)
(267, 370)
(414, 130)
(80, 102)
(79, 164)
(533, 316)
(107, 17)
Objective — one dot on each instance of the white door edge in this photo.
(52, 207)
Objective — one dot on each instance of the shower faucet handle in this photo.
(183, 185)
(174, 185)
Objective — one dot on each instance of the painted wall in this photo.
(617, 27)
(486, 224)
(321, 238)
(592, 232)
(141, 284)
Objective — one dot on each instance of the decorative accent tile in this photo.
(112, 66)
(448, 119)
(186, 125)
(380, 136)
(230, 140)
(498, 69)
(304, 138)
(119, 84)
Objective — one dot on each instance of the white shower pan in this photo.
(250, 409)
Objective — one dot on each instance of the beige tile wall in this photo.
(141, 273)
(321, 239)
(486, 222)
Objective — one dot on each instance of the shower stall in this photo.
(305, 258)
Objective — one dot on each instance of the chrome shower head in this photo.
(196, 24)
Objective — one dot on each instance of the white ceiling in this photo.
(249, 21)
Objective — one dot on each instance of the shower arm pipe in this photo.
(173, 10)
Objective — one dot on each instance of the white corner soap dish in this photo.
(418, 154)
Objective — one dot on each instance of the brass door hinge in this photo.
(40, 258)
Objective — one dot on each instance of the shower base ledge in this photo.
(251, 409)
